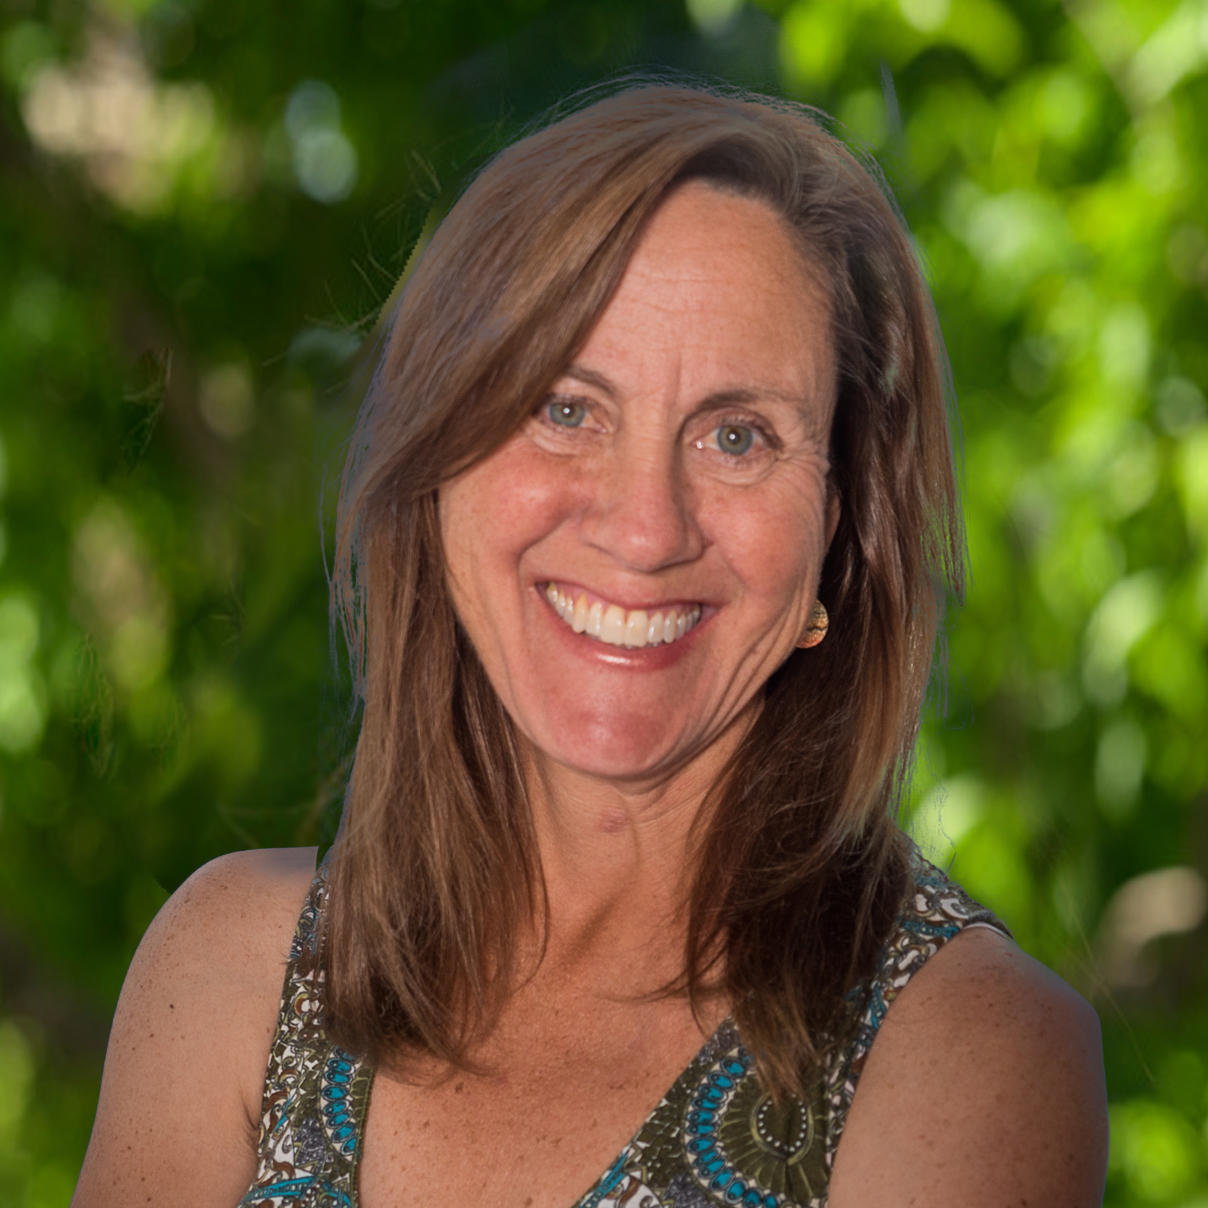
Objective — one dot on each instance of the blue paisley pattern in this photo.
(315, 1094)
(715, 1139)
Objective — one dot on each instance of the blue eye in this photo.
(565, 412)
(735, 439)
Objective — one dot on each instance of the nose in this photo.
(640, 509)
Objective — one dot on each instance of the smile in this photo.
(617, 626)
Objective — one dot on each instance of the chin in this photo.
(629, 753)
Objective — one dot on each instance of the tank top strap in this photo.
(315, 1094)
(935, 911)
(717, 1137)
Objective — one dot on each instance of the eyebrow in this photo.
(589, 377)
(720, 399)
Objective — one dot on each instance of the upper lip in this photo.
(631, 602)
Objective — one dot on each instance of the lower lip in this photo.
(637, 658)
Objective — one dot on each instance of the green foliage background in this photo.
(203, 205)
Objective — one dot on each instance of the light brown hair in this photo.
(801, 868)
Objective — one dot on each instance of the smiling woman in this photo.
(679, 471)
(644, 540)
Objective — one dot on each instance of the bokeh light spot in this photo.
(324, 160)
(713, 17)
(1119, 766)
(226, 400)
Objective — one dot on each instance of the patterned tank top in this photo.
(715, 1138)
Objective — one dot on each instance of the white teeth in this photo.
(612, 630)
(654, 631)
(617, 627)
(636, 625)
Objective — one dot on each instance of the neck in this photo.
(618, 861)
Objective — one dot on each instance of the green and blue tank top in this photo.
(715, 1138)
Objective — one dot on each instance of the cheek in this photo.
(530, 502)
(497, 510)
(774, 544)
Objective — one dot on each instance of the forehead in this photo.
(718, 287)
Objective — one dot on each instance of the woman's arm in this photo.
(180, 1096)
(983, 1089)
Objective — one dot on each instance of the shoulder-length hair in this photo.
(800, 865)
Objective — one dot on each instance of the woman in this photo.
(644, 537)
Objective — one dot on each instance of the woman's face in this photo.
(642, 554)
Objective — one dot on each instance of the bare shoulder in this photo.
(984, 1089)
(246, 901)
(191, 1035)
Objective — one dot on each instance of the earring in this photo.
(816, 630)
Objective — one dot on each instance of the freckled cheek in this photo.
(509, 497)
(528, 507)
(775, 551)
(778, 569)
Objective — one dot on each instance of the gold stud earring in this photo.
(816, 630)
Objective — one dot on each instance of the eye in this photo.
(744, 443)
(735, 439)
(565, 412)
